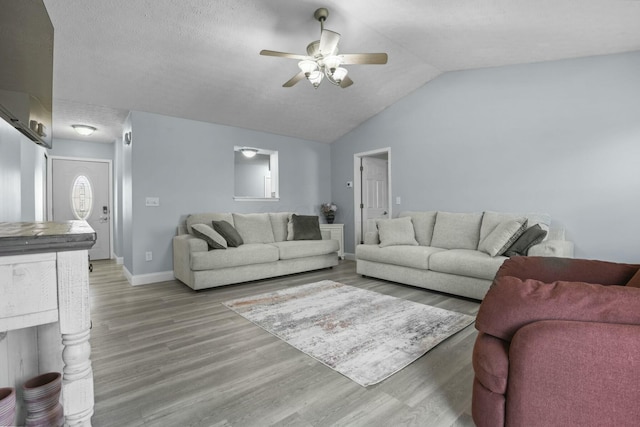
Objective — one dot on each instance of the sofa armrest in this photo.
(371, 238)
(183, 246)
(555, 248)
(511, 303)
(584, 372)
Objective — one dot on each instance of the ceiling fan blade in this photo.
(328, 42)
(346, 82)
(364, 58)
(265, 52)
(295, 79)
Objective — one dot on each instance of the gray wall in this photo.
(189, 166)
(82, 149)
(560, 137)
(22, 169)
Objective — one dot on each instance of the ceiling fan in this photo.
(323, 60)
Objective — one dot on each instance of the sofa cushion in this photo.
(279, 222)
(305, 248)
(306, 227)
(512, 303)
(249, 254)
(503, 236)
(423, 223)
(229, 233)
(254, 228)
(635, 280)
(406, 256)
(530, 237)
(457, 230)
(207, 218)
(396, 231)
(490, 220)
(466, 262)
(209, 235)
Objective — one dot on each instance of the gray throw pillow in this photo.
(503, 236)
(229, 233)
(209, 235)
(532, 236)
(396, 231)
(306, 227)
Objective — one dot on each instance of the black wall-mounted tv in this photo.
(26, 68)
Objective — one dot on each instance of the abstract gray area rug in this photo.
(364, 335)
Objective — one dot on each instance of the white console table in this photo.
(337, 233)
(44, 310)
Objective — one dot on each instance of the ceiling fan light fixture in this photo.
(307, 66)
(249, 152)
(84, 130)
(331, 63)
(339, 74)
(315, 78)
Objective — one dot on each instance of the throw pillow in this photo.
(503, 236)
(635, 280)
(209, 235)
(396, 231)
(306, 227)
(229, 233)
(532, 236)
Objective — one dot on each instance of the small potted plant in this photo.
(329, 211)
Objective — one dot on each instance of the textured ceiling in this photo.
(198, 59)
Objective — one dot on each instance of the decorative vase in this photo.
(330, 217)
(7, 406)
(42, 400)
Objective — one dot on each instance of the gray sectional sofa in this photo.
(456, 253)
(266, 251)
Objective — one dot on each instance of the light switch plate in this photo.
(152, 201)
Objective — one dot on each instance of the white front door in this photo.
(375, 192)
(80, 190)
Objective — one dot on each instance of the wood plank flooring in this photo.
(165, 355)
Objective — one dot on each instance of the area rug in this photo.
(364, 335)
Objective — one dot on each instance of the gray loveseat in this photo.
(456, 253)
(265, 253)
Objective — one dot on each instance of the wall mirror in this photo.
(255, 174)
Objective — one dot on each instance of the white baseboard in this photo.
(119, 260)
(145, 279)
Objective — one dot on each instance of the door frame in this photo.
(357, 188)
(109, 196)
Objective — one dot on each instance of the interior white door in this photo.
(375, 195)
(80, 190)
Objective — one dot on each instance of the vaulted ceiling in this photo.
(199, 59)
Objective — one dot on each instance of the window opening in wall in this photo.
(255, 174)
(81, 197)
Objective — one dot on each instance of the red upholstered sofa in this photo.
(559, 345)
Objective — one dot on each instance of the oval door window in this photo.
(81, 197)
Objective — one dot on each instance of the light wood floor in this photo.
(164, 355)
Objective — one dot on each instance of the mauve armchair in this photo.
(559, 345)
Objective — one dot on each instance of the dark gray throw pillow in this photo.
(229, 233)
(531, 236)
(306, 227)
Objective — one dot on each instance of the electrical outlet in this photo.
(148, 256)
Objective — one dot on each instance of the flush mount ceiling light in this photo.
(84, 130)
(322, 59)
(249, 152)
